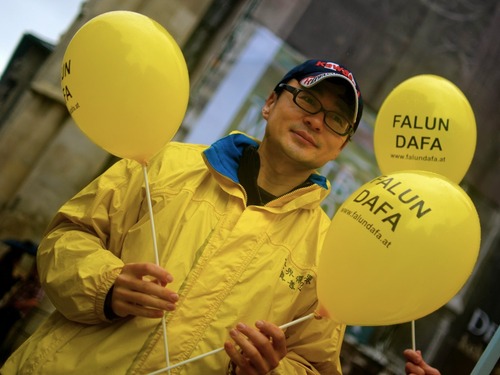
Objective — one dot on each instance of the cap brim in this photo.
(313, 80)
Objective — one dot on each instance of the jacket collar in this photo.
(224, 156)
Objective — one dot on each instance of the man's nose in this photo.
(315, 121)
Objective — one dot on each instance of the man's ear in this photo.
(340, 149)
(345, 143)
(269, 103)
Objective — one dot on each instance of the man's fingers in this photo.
(127, 282)
(144, 299)
(140, 290)
(126, 302)
(126, 309)
(412, 369)
(416, 364)
(413, 355)
(244, 355)
(140, 270)
(239, 360)
(275, 334)
(260, 350)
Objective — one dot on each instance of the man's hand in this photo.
(259, 350)
(140, 290)
(416, 364)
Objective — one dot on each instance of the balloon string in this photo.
(413, 341)
(157, 257)
(286, 325)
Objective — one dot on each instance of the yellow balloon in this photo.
(125, 82)
(425, 123)
(399, 248)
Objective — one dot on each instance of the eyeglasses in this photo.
(309, 103)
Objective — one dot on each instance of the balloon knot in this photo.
(317, 315)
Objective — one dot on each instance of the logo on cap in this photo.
(338, 69)
(311, 81)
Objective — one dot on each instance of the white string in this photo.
(157, 258)
(168, 368)
(413, 341)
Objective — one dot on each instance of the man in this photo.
(239, 230)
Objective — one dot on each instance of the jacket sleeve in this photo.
(79, 257)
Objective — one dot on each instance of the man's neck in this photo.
(279, 178)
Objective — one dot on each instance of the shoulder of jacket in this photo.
(178, 154)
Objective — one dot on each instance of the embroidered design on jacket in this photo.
(294, 278)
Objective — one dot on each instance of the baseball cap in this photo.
(311, 72)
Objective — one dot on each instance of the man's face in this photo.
(297, 137)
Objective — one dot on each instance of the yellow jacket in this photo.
(230, 263)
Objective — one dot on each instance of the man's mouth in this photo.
(304, 135)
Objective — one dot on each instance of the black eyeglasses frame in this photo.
(296, 91)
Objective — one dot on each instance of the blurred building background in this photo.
(245, 46)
